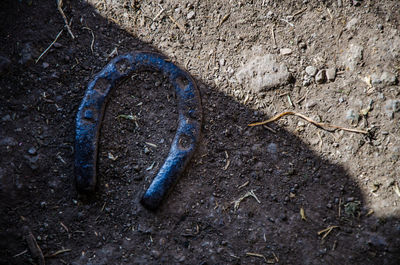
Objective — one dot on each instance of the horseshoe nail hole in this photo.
(122, 66)
(182, 82)
(184, 141)
(88, 114)
(101, 85)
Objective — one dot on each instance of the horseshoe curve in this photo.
(91, 112)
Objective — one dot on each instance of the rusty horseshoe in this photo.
(91, 112)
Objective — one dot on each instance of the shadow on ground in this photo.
(198, 223)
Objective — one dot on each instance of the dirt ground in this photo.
(307, 195)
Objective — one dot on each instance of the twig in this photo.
(326, 231)
(223, 19)
(33, 246)
(92, 43)
(159, 13)
(299, 12)
(284, 20)
(318, 124)
(248, 194)
(244, 185)
(303, 214)
(273, 35)
(177, 24)
(21, 253)
(58, 252)
(256, 255)
(59, 7)
(290, 101)
(54, 41)
(397, 189)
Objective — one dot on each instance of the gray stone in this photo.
(320, 77)
(146, 150)
(7, 117)
(352, 116)
(311, 70)
(272, 148)
(352, 57)
(285, 51)
(383, 80)
(307, 81)
(331, 74)
(191, 15)
(32, 151)
(270, 14)
(391, 107)
(310, 104)
(262, 73)
(352, 24)
(26, 53)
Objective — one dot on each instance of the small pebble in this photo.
(32, 151)
(311, 70)
(191, 15)
(286, 51)
(146, 150)
(45, 65)
(57, 45)
(320, 77)
(306, 81)
(270, 14)
(331, 74)
(352, 116)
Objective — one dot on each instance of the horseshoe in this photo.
(91, 112)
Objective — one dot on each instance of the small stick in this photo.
(58, 252)
(92, 43)
(33, 245)
(244, 185)
(290, 101)
(224, 19)
(177, 24)
(256, 255)
(269, 128)
(273, 35)
(340, 208)
(21, 253)
(48, 48)
(284, 20)
(59, 7)
(159, 14)
(299, 12)
(318, 124)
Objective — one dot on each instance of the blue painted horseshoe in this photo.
(91, 112)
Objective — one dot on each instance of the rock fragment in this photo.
(191, 15)
(352, 57)
(391, 107)
(352, 115)
(321, 76)
(311, 70)
(383, 80)
(331, 74)
(262, 73)
(285, 51)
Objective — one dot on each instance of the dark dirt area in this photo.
(250, 195)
